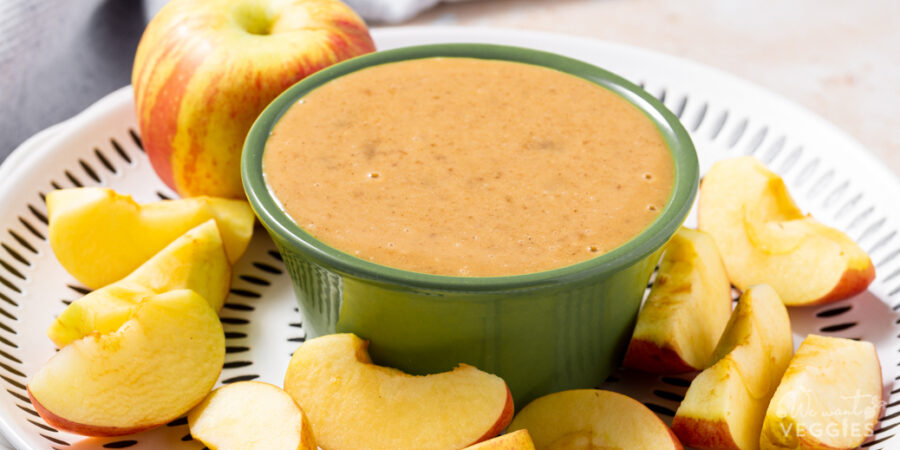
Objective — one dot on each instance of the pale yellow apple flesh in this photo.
(765, 238)
(516, 440)
(725, 404)
(829, 397)
(100, 236)
(158, 365)
(686, 311)
(250, 415)
(592, 418)
(353, 403)
(195, 261)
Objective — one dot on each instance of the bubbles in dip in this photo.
(468, 167)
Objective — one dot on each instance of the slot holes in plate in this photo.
(38, 214)
(105, 162)
(89, 170)
(136, 139)
(718, 125)
(756, 141)
(121, 151)
(738, 132)
(774, 150)
(73, 179)
(120, 444)
(698, 118)
(890, 257)
(662, 95)
(831, 312)
(836, 194)
(837, 327)
(791, 159)
(821, 184)
(240, 378)
(659, 409)
(874, 227)
(807, 172)
(882, 242)
(680, 106)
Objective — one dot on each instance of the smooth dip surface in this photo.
(468, 167)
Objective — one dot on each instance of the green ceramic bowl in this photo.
(542, 332)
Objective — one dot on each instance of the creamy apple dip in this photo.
(468, 167)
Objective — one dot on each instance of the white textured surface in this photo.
(839, 59)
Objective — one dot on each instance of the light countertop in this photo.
(840, 60)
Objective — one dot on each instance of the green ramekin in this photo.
(541, 332)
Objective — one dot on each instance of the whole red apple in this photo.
(205, 69)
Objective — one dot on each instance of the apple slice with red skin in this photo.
(829, 397)
(204, 70)
(353, 403)
(157, 366)
(765, 238)
(724, 406)
(687, 309)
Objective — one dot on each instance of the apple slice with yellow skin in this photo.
(353, 403)
(592, 418)
(204, 70)
(100, 236)
(195, 261)
(517, 440)
(765, 238)
(686, 311)
(250, 415)
(725, 404)
(158, 365)
(829, 397)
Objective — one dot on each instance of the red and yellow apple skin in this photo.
(204, 70)
(725, 405)
(687, 309)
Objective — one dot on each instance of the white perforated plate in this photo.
(829, 174)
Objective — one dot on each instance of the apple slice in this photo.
(765, 238)
(686, 311)
(251, 415)
(100, 236)
(592, 418)
(353, 403)
(517, 440)
(725, 404)
(160, 363)
(194, 261)
(829, 397)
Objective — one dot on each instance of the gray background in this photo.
(58, 56)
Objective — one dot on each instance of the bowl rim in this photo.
(650, 239)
